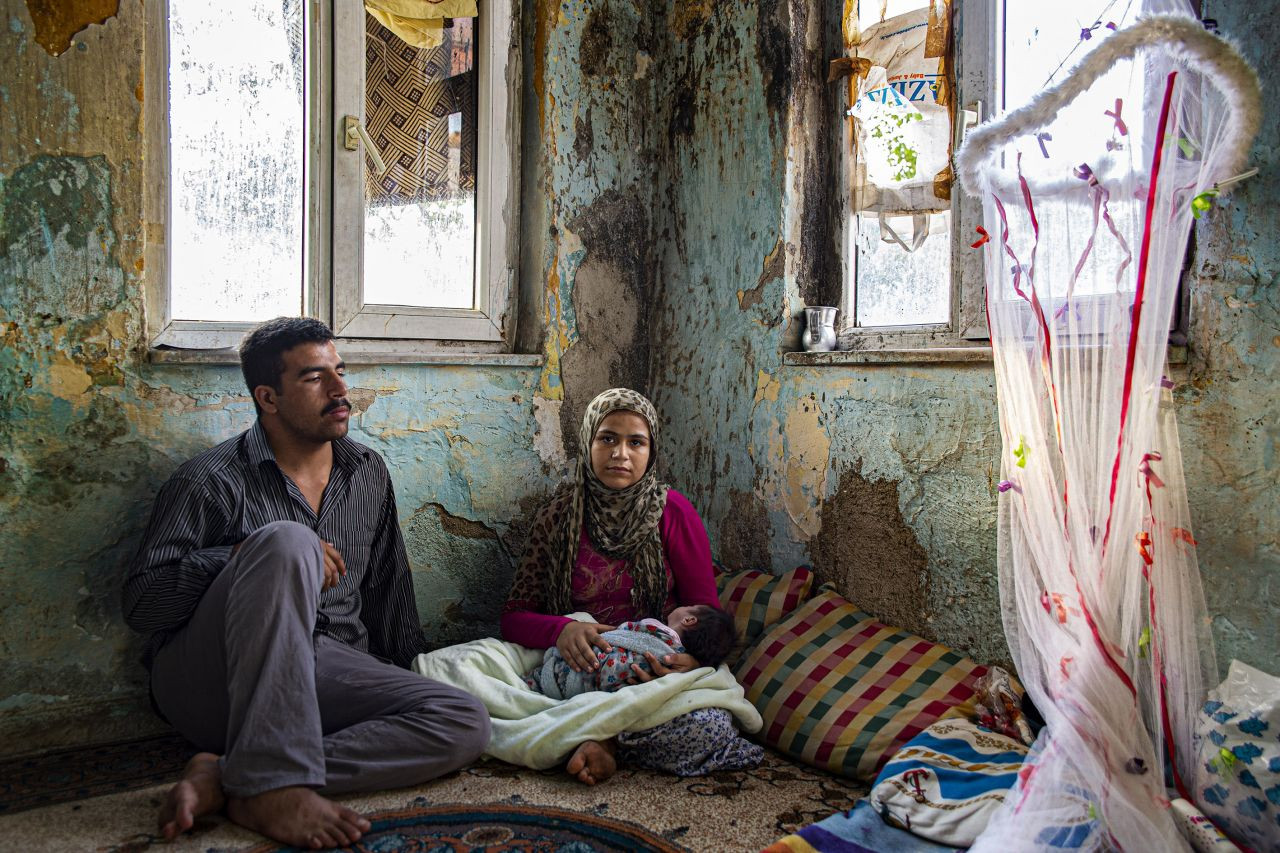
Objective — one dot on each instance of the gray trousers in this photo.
(247, 679)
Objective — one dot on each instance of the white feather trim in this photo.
(1187, 41)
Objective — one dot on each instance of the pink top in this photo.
(601, 586)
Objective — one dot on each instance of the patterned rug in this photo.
(512, 827)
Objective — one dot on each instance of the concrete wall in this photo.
(673, 221)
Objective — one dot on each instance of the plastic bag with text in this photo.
(903, 121)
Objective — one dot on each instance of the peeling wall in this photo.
(883, 476)
(674, 215)
(91, 428)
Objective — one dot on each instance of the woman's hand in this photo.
(673, 663)
(576, 641)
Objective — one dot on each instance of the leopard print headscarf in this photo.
(622, 523)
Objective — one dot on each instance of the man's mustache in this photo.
(337, 404)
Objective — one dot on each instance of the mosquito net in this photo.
(1089, 194)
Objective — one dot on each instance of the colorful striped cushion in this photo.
(843, 692)
(758, 599)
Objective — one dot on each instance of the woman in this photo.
(619, 544)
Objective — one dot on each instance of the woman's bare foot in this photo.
(298, 816)
(592, 762)
(199, 793)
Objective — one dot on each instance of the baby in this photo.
(705, 632)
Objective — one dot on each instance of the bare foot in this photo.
(199, 793)
(592, 762)
(298, 816)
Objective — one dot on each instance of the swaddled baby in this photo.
(705, 632)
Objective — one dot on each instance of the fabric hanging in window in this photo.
(419, 23)
(421, 111)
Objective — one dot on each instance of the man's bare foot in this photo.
(199, 793)
(298, 816)
(592, 762)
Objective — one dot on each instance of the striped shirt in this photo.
(215, 500)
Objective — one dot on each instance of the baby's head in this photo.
(706, 632)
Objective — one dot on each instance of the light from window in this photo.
(902, 269)
(899, 285)
(1042, 44)
(1044, 41)
(420, 215)
(237, 122)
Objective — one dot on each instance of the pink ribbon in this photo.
(1120, 125)
(1144, 467)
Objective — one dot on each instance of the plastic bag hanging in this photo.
(901, 109)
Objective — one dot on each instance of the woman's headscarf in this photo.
(621, 523)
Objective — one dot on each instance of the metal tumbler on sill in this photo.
(819, 329)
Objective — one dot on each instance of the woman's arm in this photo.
(688, 552)
(530, 629)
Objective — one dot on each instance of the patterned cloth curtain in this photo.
(410, 94)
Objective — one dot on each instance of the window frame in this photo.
(334, 222)
(978, 57)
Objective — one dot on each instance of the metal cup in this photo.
(819, 329)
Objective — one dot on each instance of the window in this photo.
(910, 277)
(901, 272)
(305, 158)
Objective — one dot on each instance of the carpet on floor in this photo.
(489, 805)
(496, 827)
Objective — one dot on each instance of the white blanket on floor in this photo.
(536, 731)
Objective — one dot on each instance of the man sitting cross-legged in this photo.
(274, 584)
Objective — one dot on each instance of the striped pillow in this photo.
(757, 599)
(841, 691)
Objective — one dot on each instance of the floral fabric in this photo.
(695, 744)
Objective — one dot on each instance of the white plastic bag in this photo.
(904, 123)
(1238, 752)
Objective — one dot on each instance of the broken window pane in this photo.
(236, 124)
(900, 285)
(419, 223)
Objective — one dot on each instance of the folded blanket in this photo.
(537, 731)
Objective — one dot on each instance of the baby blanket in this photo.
(536, 731)
(630, 640)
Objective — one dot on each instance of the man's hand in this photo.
(673, 663)
(576, 641)
(335, 568)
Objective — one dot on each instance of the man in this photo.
(274, 584)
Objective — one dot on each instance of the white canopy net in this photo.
(1089, 194)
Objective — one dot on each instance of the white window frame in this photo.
(976, 28)
(334, 217)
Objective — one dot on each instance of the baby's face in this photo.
(682, 617)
